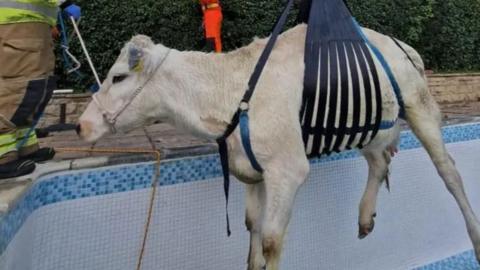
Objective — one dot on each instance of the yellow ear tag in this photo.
(138, 67)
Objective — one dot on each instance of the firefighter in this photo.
(212, 22)
(26, 79)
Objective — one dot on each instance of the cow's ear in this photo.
(139, 53)
(136, 59)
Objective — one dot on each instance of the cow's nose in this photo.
(78, 129)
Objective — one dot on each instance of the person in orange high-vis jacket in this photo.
(212, 22)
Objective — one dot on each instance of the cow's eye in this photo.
(118, 78)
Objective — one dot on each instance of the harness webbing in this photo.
(386, 67)
(339, 67)
(243, 107)
(342, 100)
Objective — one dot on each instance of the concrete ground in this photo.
(163, 137)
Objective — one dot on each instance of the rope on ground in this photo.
(155, 180)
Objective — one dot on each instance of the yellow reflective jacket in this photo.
(19, 11)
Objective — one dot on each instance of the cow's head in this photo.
(130, 95)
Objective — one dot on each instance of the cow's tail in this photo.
(412, 55)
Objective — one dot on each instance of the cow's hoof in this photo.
(365, 230)
(252, 267)
(477, 254)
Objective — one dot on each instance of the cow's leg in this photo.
(255, 200)
(424, 120)
(378, 161)
(282, 180)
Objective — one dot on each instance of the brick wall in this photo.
(447, 88)
(450, 88)
(74, 105)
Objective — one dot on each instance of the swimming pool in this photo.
(94, 219)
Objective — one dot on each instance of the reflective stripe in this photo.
(32, 137)
(23, 12)
(8, 149)
(47, 3)
(210, 6)
(9, 15)
(8, 143)
(8, 138)
(43, 10)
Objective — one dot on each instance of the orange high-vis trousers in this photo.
(212, 20)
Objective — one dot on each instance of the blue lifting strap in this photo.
(387, 125)
(245, 134)
(386, 67)
(246, 99)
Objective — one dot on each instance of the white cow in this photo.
(200, 92)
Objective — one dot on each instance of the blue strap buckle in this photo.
(244, 106)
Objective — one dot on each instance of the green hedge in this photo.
(452, 37)
(445, 32)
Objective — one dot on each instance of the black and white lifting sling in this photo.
(338, 57)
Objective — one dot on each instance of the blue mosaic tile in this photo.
(13, 220)
(84, 184)
(462, 261)
(451, 134)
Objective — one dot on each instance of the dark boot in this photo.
(30, 148)
(41, 155)
(10, 165)
(16, 168)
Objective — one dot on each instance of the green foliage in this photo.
(404, 19)
(452, 37)
(445, 32)
(107, 25)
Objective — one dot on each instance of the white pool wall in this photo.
(418, 223)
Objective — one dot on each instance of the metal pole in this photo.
(85, 51)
